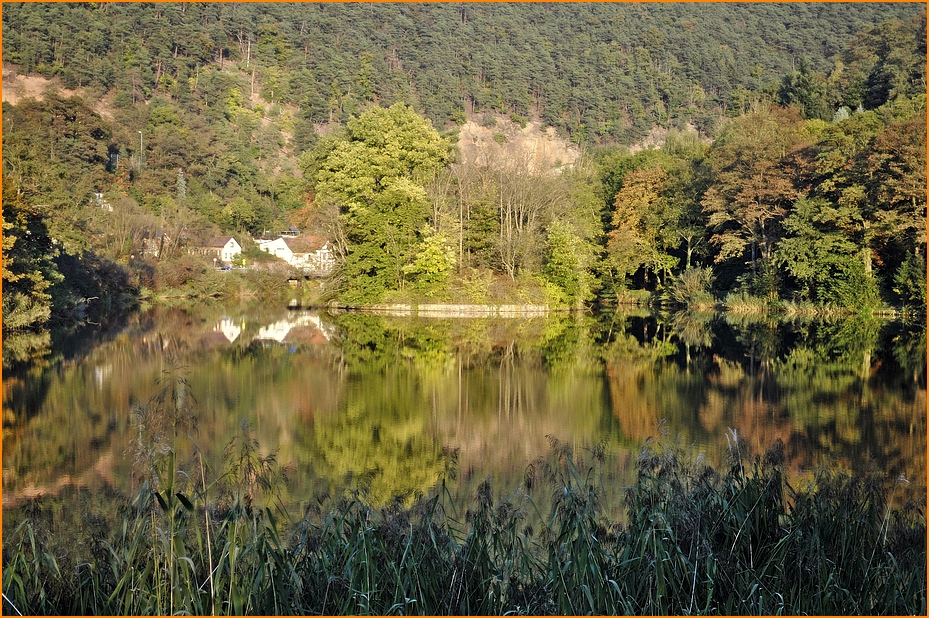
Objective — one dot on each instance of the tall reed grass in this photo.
(695, 540)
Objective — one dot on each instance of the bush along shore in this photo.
(692, 540)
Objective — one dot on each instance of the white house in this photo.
(308, 252)
(312, 252)
(223, 248)
(276, 247)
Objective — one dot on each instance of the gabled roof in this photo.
(318, 242)
(219, 241)
(306, 334)
(306, 244)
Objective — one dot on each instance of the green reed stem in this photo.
(694, 541)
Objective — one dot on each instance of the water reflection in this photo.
(303, 327)
(377, 405)
(225, 332)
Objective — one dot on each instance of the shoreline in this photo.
(446, 310)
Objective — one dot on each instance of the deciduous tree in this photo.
(751, 190)
(376, 177)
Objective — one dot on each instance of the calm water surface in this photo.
(387, 406)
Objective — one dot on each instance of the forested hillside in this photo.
(601, 72)
(794, 170)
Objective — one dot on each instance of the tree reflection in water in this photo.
(374, 404)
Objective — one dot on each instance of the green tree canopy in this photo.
(376, 176)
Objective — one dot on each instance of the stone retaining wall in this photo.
(453, 311)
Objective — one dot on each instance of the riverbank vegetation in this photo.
(795, 183)
(691, 539)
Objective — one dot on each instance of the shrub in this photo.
(692, 288)
(853, 288)
(625, 296)
(434, 263)
(910, 282)
(475, 286)
(176, 272)
(743, 302)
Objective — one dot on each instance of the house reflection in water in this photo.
(224, 333)
(304, 328)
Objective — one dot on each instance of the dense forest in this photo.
(599, 72)
(793, 174)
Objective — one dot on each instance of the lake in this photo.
(389, 407)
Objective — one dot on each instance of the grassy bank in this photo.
(693, 540)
